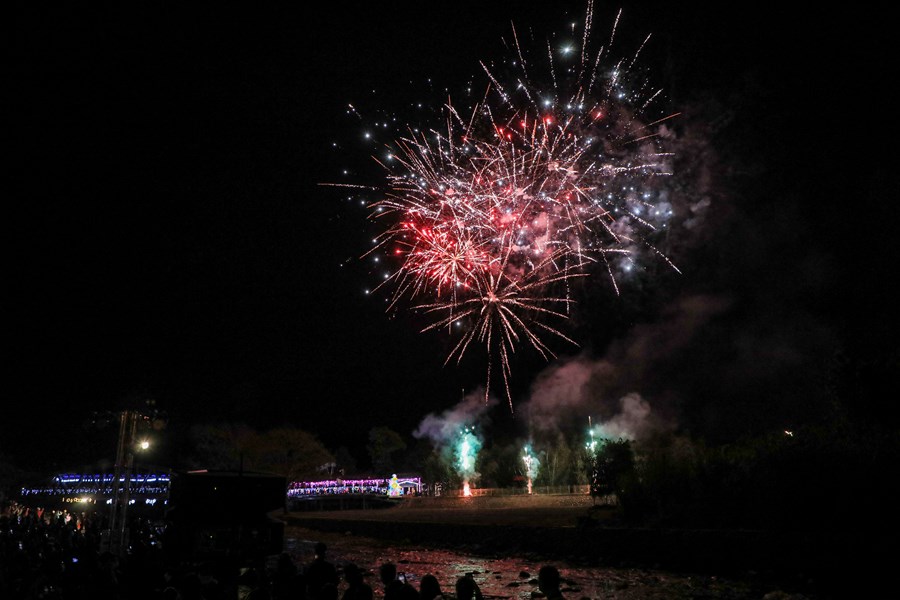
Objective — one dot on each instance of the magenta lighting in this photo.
(408, 485)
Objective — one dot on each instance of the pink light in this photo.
(348, 486)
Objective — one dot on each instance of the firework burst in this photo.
(493, 213)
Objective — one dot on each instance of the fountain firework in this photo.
(466, 452)
(532, 464)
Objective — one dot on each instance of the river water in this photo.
(515, 577)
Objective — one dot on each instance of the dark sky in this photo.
(169, 239)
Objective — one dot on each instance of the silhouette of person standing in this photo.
(393, 587)
(548, 582)
(319, 573)
(430, 589)
(357, 589)
(467, 589)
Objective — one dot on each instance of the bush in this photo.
(830, 475)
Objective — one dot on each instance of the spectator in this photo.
(467, 589)
(548, 582)
(392, 587)
(357, 589)
(319, 573)
(430, 589)
(287, 582)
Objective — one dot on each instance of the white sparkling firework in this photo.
(493, 214)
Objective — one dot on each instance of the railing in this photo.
(542, 490)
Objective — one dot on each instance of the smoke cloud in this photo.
(568, 393)
(444, 427)
(454, 432)
(633, 421)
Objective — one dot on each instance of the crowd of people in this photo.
(320, 580)
(52, 553)
(60, 555)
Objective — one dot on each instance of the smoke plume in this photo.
(454, 433)
(613, 390)
(446, 426)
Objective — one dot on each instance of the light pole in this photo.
(115, 535)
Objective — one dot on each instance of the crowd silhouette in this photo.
(59, 555)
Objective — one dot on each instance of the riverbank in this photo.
(506, 576)
(570, 528)
(559, 510)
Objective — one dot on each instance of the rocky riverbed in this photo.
(514, 577)
(503, 573)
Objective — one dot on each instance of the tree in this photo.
(557, 468)
(612, 464)
(499, 464)
(384, 442)
(10, 477)
(220, 446)
(287, 451)
(346, 463)
(434, 464)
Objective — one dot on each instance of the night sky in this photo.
(169, 239)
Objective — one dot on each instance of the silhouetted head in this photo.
(467, 589)
(388, 572)
(548, 580)
(329, 592)
(429, 588)
(353, 574)
(320, 549)
(286, 564)
(171, 593)
(407, 592)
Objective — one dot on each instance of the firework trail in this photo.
(494, 214)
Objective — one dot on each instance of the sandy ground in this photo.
(536, 511)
